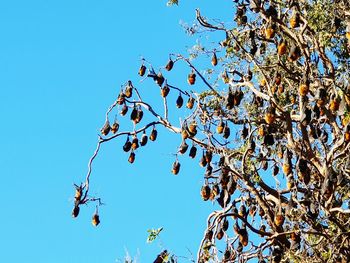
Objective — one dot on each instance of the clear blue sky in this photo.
(61, 66)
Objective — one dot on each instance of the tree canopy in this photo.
(271, 129)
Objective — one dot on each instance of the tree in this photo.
(283, 88)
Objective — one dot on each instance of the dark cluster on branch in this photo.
(271, 131)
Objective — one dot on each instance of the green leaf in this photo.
(153, 234)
